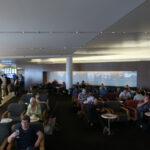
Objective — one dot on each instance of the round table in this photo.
(147, 113)
(34, 119)
(109, 117)
(121, 102)
(85, 102)
(6, 120)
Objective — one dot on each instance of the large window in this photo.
(109, 78)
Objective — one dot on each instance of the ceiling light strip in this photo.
(44, 32)
(75, 32)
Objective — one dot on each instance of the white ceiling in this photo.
(58, 28)
(128, 39)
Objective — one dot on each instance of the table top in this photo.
(121, 102)
(85, 102)
(34, 119)
(6, 120)
(147, 114)
(109, 116)
(26, 103)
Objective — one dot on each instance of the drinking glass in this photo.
(17, 131)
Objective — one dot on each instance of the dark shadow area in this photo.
(74, 135)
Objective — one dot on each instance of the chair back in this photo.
(43, 106)
(115, 105)
(16, 109)
(26, 98)
(110, 96)
(43, 97)
(4, 132)
(131, 103)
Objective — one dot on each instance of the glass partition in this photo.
(109, 78)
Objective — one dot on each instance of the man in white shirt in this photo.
(124, 95)
(138, 96)
(82, 96)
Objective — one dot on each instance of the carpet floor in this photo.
(73, 134)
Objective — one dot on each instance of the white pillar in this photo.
(68, 72)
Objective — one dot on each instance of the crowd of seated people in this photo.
(90, 109)
(28, 135)
(83, 97)
(93, 112)
(33, 101)
(90, 104)
(27, 132)
(87, 101)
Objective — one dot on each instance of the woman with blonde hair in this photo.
(34, 109)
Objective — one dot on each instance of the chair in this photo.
(132, 105)
(11, 146)
(15, 111)
(110, 96)
(43, 97)
(75, 99)
(117, 108)
(44, 112)
(4, 133)
(25, 98)
(89, 108)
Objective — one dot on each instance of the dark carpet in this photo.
(73, 134)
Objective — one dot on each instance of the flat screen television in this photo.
(10, 75)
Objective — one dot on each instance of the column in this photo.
(68, 72)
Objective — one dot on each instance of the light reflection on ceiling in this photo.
(93, 59)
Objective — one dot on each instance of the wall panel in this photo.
(142, 68)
